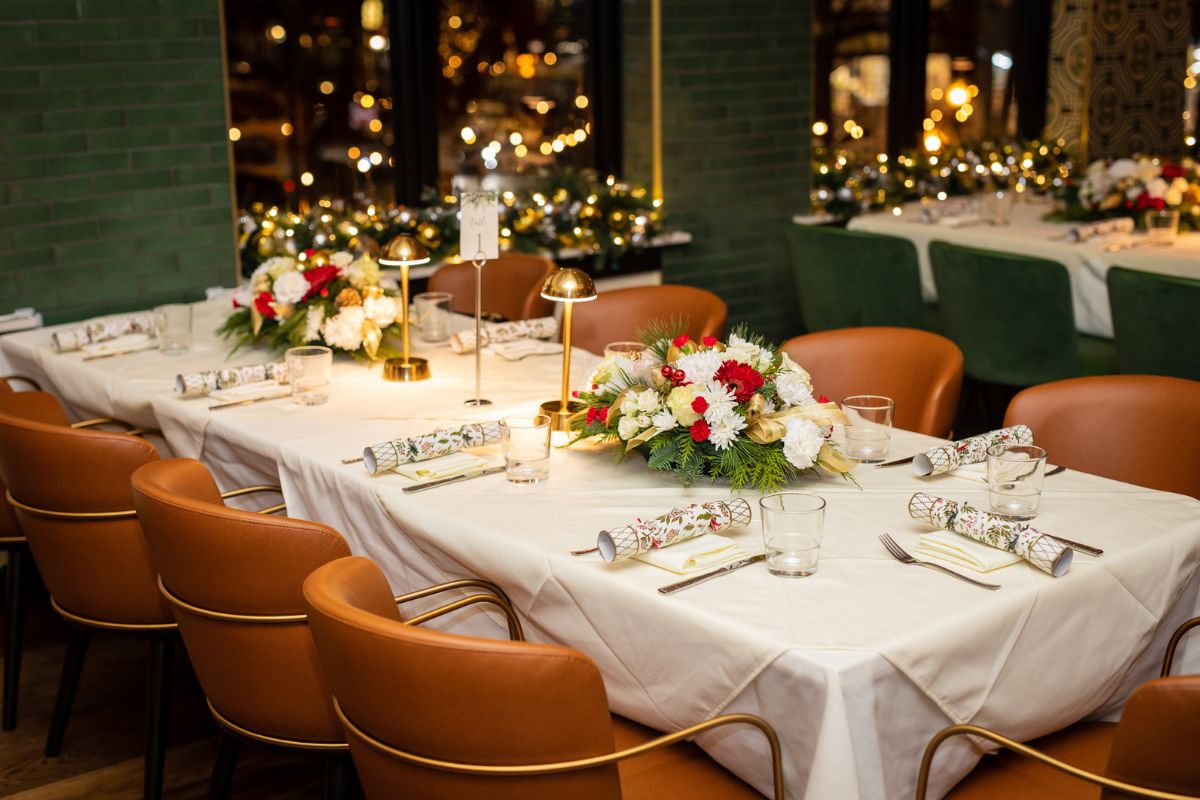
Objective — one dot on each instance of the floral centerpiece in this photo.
(1128, 187)
(328, 298)
(739, 409)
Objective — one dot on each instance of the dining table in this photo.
(1029, 233)
(856, 666)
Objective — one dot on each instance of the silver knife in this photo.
(250, 401)
(672, 588)
(420, 487)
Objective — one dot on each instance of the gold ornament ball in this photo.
(319, 258)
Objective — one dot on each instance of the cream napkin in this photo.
(963, 552)
(694, 554)
(515, 351)
(441, 467)
(130, 341)
(250, 391)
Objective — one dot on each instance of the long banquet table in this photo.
(1028, 234)
(856, 667)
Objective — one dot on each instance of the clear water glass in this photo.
(525, 442)
(1162, 227)
(869, 430)
(792, 524)
(432, 315)
(310, 369)
(173, 328)
(1015, 473)
(630, 350)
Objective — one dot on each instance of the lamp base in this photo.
(480, 401)
(560, 417)
(397, 369)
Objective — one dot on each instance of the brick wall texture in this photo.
(737, 110)
(114, 155)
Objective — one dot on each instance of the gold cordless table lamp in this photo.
(567, 286)
(403, 252)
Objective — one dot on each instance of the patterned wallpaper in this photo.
(1068, 70)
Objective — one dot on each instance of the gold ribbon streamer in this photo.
(372, 337)
(768, 428)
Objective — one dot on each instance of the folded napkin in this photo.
(959, 220)
(968, 451)
(102, 330)
(130, 341)
(515, 351)
(443, 467)
(493, 332)
(964, 552)
(674, 526)
(382, 457)
(700, 552)
(198, 384)
(1081, 233)
(251, 391)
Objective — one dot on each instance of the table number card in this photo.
(479, 233)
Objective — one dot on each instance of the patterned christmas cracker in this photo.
(102, 330)
(674, 526)
(199, 384)
(968, 451)
(1043, 551)
(1081, 233)
(539, 328)
(383, 457)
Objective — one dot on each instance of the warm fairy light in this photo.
(366, 101)
(375, 125)
(936, 115)
(935, 94)
(957, 94)
(820, 128)
(580, 135)
(545, 148)
(306, 178)
(927, 124)
(515, 138)
(848, 125)
(468, 135)
(896, 211)
(376, 158)
(1190, 141)
(277, 33)
(286, 129)
(942, 195)
(557, 146)
(234, 134)
(326, 87)
(550, 58)
(526, 65)
(377, 42)
(856, 132)
(364, 165)
(353, 152)
(933, 143)
(521, 150)
(455, 22)
(454, 62)
(542, 107)
(581, 101)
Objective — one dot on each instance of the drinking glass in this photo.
(996, 206)
(309, 371)
(173, 327)
(1162, 227)
(631, 350)
(433, 315)
(525, 441)
(869, 430)
(792, 523)
(1014, 475)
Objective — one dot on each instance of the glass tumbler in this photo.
(630, 350)
(1014, 475)
(1162, 227)
(310, 369)
(869, 430)
(432, 315)
(792, 523)
(525, 441)
(173, 328)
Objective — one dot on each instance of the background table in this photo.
(1087, 263)
(856, 667)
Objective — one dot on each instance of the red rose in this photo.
(743, 379)
(699, 405)
(822, 398)
(681, 340)
(262, 302)
(709, 341)
(1172, 171)
(700, 431)
(318, 278)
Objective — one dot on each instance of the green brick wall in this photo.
(114, 155)
(737, 108)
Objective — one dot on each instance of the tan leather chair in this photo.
(435, 715)
(70, 490)
(619, 315)
(512, 286)
(921, 371)
(1140, 429)
(1151, 752)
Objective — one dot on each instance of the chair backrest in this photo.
(1156, 321)
(512, 286)
(1155, 742)
(921, 371)
(10, 529)
(1010, 314)
(619, 315)
(1141, 429)
(227, 571)
(845, 279)
(454, 698)
(97, 568)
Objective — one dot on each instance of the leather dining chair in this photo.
(1150, 752)
(619, 315)
(438, 716)
(512, 286)
(1140, 429)
(921, 371)
(69, 487)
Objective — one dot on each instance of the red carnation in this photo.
(700, 431)
(681, 340)
(262, 302)
(318, 278)
(743, 379)
(822, 398)
(699, 405)
(595, 414)
(1172, 171)
(709, 341)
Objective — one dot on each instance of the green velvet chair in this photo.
(848, 279)
(1157, 323)
(1012, 317)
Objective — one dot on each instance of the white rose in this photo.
(787, 365)
(312, 323)
(1157, 188)
(279, 265)
(643, 421)
(647, 401)
(341, 260)
(802, 442)
(363, 271)
(793, 389)
(629, 406)
(381, 309)
(1123, 168)
(344, 329)
(290, 287)
(679, 401)
(627, 427)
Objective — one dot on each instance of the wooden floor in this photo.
(102, 753)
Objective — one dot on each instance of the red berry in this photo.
(678, 376)
(709, 341)
(681, 340)
(667, 370)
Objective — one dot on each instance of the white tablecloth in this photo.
(856, 667)
(1087, 263)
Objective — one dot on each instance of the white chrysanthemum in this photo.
(802, 442)
(723, 432)
(721, 401)
(647, 401)
(363, 271)
(274, 267)
(341, 260)
(664, 420)
(699, 367)
(643, 421)
(627, 427)
(344, 329)
(738, 349)
(312, 323)
(290, 287)
(769, 407)
(381, 309)
(793, 389)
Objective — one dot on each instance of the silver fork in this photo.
(903, 557)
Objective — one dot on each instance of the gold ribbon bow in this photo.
(767, 428)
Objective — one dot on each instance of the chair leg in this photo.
(68, 683)
(222, 775)
(13, 632)
(339, 778)
(161, 663)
